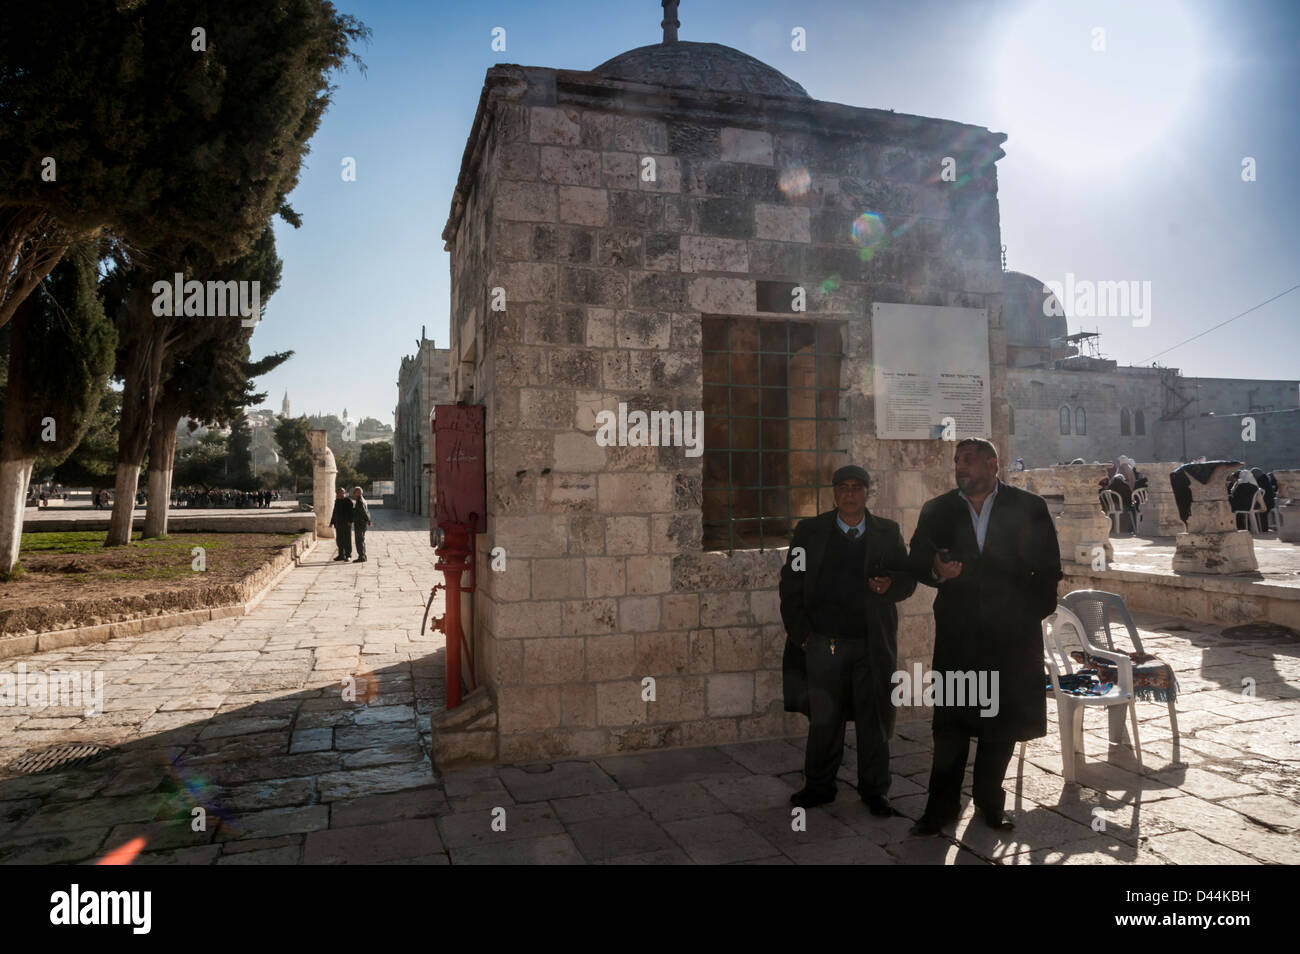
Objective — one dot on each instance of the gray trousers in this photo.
(360, 530)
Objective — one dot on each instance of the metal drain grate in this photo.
(74, 755)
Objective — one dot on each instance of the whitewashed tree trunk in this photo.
(160, 489)
(162, 456)
(119, 525)
(14, 475)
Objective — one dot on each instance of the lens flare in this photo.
(868, 230)
(795, 181)
(123, 854)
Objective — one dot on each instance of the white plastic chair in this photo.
(1098, 610)
(1113, 504)
(1254, 516)
(1061, 631)
(1139, 501)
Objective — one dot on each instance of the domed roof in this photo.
(700, 66)
(1028, 319)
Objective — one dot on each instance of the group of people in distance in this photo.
(991, 552)
(351, 517)
(195, 497)
(39, 497)
(1244, 484)
(1123, 478)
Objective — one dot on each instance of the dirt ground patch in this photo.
(72, 579)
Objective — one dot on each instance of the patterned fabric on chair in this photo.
(1153, 679)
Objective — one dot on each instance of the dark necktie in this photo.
(853, 533)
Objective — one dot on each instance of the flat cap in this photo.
(850, 472)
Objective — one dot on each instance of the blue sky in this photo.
(1121, 164)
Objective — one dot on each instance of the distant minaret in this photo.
(284, 405)
(670, 22)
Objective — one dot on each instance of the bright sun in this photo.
(1080, 108)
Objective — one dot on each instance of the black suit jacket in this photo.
(990, 617)
(886, 556)
(341, 517)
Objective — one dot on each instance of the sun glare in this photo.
(1095, 86)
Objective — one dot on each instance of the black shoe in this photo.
(879, 806)
(997, 821)
(361, 560)
(807, 798)
(927, 826)
(343, 558)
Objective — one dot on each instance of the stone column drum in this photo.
(1082, 524)
(1288, 488)
(323, 472)
(1212, 543)
(1160, 515)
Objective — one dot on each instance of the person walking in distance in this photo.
(341, 521)
(360, 521)
(991, 551)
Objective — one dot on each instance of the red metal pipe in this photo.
(453, 560)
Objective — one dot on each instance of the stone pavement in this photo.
(1279, 561)
(244, 718)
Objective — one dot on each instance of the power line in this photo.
(1222, 323)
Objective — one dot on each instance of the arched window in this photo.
(1011, 419)
(1065, 419)
(1124, 427)
(1139, 423)
(1080, 421)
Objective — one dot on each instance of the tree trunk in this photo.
(162, 456)
(120, 524)
(141, 382)
(14, 474)
(17, 456)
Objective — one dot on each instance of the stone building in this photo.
(636, 235)
(422, 382)
(1065, 404)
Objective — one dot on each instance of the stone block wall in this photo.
(1210, 425)
(607, 277)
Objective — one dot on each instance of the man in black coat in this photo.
(341, 521)
(360, 521)
(844, 572)
(991, 550)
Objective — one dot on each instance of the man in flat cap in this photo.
(845, 571)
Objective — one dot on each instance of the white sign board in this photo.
(931, 362)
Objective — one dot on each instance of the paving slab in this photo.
(371, 844)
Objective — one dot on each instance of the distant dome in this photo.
(1028, 319)
(700, 66)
